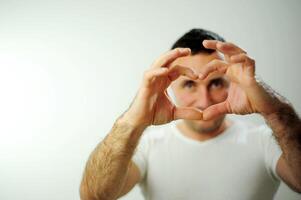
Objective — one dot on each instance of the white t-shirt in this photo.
(239, 164)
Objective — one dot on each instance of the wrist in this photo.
(276, 110)
(131, 121)
(264, 99)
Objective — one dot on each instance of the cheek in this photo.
(219, 96)
(185, 99)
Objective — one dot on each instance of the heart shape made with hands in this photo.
(154, 102)
(239, 68)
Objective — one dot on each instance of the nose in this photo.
(202, 98)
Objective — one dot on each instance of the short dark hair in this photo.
(193, 39)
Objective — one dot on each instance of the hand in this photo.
(152, 105)
(245, 94)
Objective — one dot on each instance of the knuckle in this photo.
(215, 61)
(164, 55)
(250, 59)
(177, 51)
(146, 74)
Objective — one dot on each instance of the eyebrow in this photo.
(207, 80)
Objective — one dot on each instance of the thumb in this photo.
(215, 110)
(187, 113)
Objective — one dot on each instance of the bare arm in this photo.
(109, 172)
(286, 126)
(108, 164)
(249, 95)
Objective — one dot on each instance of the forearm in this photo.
(107, 165)
(286, 126)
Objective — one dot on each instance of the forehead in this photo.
(196, 62)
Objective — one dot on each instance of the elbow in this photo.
(86, 194)
(298, 188)
(298, 184)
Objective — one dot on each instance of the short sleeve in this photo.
(140, 156)
(272, 151)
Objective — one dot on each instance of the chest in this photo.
(208, 172)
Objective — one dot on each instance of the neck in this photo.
(200, 136)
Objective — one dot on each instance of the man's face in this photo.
(200, 93)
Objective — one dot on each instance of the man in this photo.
(204, 156)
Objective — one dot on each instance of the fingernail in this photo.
(163, 69)
(186, 50)
(201, 76)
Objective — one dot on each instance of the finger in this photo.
(242, 58)
(187, 113)
(212, 66)
(215, 110)
(179, 70)
(229, 48)
(210, 44)
(223, 47)
(151, 74)
(170, 56)
(248, 62)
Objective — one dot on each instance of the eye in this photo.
(188, 84)
(216, 83)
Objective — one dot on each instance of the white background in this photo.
(68, 69)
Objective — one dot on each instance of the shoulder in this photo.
(252, 132)
(251, 127)
(158, 134)
(262, 131)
